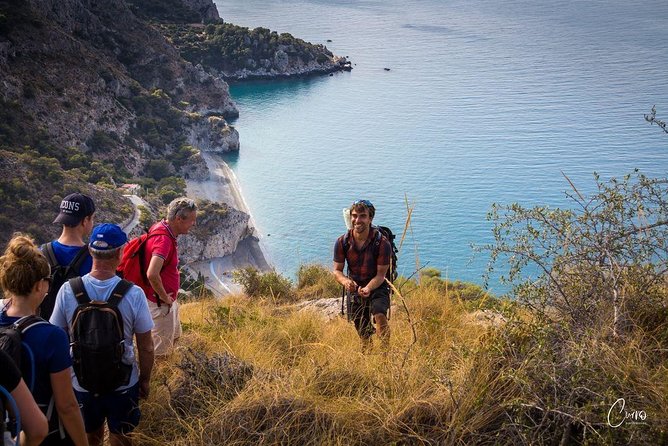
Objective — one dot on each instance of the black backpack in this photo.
(59, 275)
(11, 341)
(391, 273)
(98, 342)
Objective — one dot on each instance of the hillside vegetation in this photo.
(32, 184)
(577, 355)
(259, 371)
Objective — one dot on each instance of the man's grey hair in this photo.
(104, 254)
(180, 207)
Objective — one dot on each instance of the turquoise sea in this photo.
(485, 101)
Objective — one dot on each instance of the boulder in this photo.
(213, 134)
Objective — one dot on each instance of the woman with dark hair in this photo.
(24, 279)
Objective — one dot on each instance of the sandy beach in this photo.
(223, 186)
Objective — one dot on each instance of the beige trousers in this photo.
(167, 327)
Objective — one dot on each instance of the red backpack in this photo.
(132, 266)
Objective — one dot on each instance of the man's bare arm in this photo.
(146, 359)
(153, 275)
(347, 282)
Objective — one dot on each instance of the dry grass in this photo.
(253, 373)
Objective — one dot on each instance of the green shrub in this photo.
(270, 284)
(194, 286)
(101, 141)
(167, 194)
(158, 169)
(145, 219)
(315, 281)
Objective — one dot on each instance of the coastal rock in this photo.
(213, 134)
(214, 100)
(196, 168)
(281, 60)
(206, 9)
(283, 65)
(216, 234)
(329, 307)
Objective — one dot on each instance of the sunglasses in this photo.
(366, 203)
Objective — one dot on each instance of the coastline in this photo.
(223, 186)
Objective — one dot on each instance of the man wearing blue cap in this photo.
(120, 408)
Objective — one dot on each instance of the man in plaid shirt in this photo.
(368, 254)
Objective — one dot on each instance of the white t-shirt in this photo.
(133, 308)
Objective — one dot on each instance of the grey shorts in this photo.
(361, 310)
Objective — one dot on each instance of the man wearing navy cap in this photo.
(120, 409)
(69, 253)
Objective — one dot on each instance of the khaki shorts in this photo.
(167, 327)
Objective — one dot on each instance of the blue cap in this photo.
(107, 236)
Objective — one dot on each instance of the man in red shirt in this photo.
(163, 272)
(368, 254)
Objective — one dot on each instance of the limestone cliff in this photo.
(213, 134)
(217, 233)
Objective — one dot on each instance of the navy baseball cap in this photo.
(107, 236)
(74, 208)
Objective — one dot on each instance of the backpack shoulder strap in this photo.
(154, 233)
(27, 322)
(79, 290)
(50, 255)
(119, 291)
(376, 241)
(76, 262)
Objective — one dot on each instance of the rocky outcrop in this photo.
(205, 8)
(196, 168)
(329, 307)
(215, 235)
(213, 134)
(282, 66)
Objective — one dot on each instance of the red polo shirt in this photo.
(164, 246)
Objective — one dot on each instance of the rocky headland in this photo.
(239, 53)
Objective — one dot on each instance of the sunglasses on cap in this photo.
(366, 203)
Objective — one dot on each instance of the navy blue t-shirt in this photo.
(10, 376)
(65, 254)
(50, 346)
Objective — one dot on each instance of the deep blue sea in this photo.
(485, 101)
